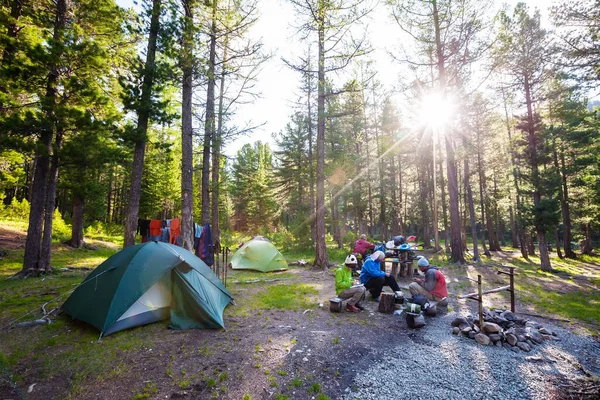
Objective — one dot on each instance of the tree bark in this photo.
(444, 209)
(209, 122)
(46, 252)
(532, 147)
(565, 209)
(38, 189)
(320, 245)
(586, 243)
(476, 257)
(311, 174)
(187, 187)
(216, 161)
(137, 169)
(457, 250)
(76, 240)
(557, 240)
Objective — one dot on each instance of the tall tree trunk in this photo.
(311, 171)
(76, 240)
(109, 195)
(566, 212)
(424, 210)
(216, 161)
(381, 164)
(481, 193)
(137, 169)
(400, 193)
(46, 252)
(467, 174)
(209, 122)
(436, 228)
(38, 189)
(586, 243)
(457, 250)
(513, 228)
(320, 245)
(535, 180)
(444, 209)
(557, 240)
(394, 209)
(187, 184)
(335, 220)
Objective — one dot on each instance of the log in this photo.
(475, 294)
(387, 302)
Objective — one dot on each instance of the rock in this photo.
(506, 345)
(547, 337)
(458, 321)
(534, 335)
(545, 331)
(465, 331)
(455, 330)
(495, 337)
(529, 342)
(509, 315)
(501, 321)
(511, 338)
(554, 333)
(509, 330)
(523, 346)
(498, 343)
(462, 327)
(515, 349)
(521, 338)
(482, 339)
(490, 327)
(532, 324)
(476, 329)
(471, 335)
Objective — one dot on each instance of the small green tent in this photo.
(146, 283)
(260, 255)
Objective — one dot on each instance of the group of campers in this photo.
(373, 278)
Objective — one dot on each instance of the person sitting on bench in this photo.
(347, 288)
(362, 246)
(374, 278)
(434, 284)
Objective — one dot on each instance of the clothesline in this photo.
(169, 231)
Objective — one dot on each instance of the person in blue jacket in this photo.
(374, 278)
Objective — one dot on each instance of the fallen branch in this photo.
(470, 295)
(258, 281)
(42, 321)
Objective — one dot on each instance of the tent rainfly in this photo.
(146, 283)
(260, 255)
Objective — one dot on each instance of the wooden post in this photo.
(480, 300)
(512, 289)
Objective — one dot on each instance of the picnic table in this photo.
(401, 263)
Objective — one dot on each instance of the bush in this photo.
(59, 226)
(16, 210)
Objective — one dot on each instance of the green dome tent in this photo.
(146, 283)
(260, 255)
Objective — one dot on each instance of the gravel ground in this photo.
(438, 365)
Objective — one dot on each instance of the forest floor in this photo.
(280, 341)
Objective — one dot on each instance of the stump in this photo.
(387, 302)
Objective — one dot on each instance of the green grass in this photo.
(292, 296)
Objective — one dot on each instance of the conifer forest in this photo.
(488, 140)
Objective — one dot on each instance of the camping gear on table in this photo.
(146, 283)
(259, 255)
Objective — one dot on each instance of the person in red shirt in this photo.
(434, 284)
(362, 246)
